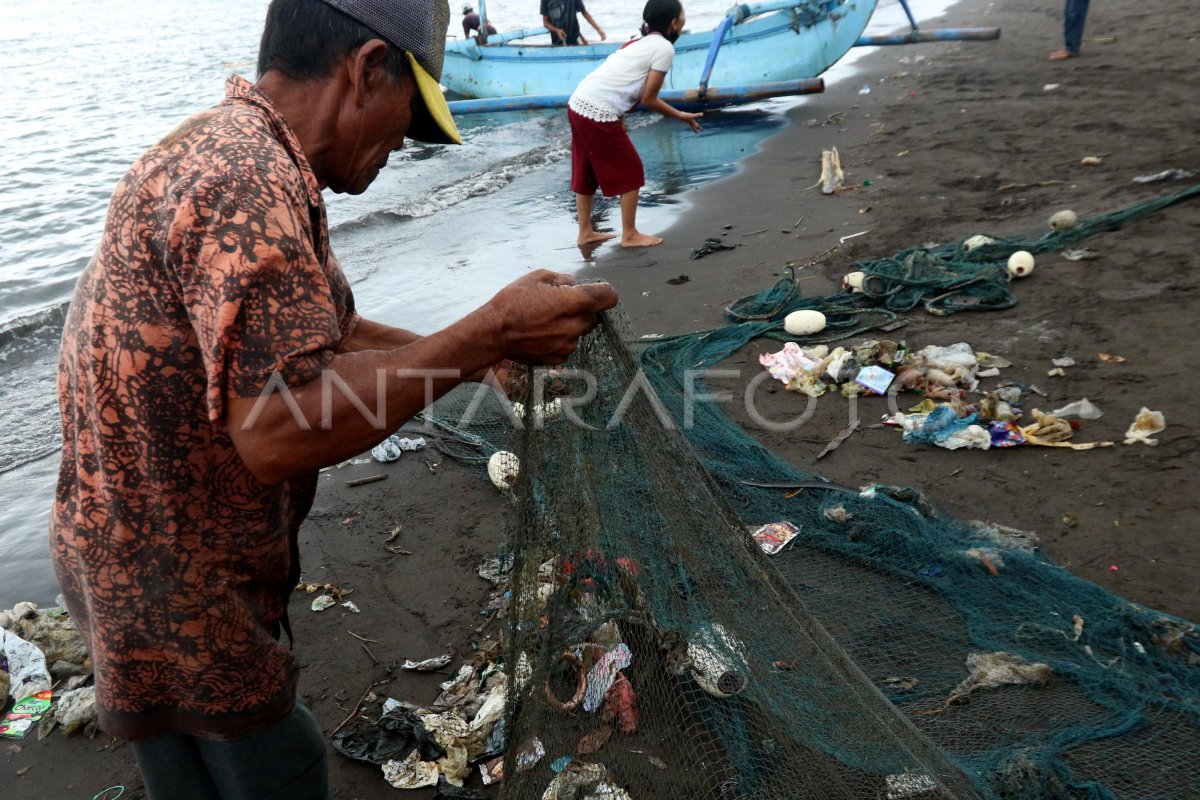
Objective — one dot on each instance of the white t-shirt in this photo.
(615, 87)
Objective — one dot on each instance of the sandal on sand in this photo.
(1063, 55)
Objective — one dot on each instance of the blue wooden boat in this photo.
(770, 42)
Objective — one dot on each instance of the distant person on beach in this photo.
(1074, 16)
(561, 18)
(602, 156)
(471, 22)
(213, 361)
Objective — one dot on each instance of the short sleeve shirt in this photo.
(564, 14)
(612, 89)
(214, 278)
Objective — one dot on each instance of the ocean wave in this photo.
(478, 184)
(22, 326)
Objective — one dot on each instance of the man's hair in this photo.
(659, 14)
(306, 39)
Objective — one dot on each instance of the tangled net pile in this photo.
(655, 651)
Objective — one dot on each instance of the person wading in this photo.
(602, 156)
(211, 364)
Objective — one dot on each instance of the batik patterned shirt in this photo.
(213, 279)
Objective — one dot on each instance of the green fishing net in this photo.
(883, 650)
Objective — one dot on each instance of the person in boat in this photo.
(471, 23)
(1074, 17)
(196, 389)
(561, 18)
(602, 156)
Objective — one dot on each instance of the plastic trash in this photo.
(1146, 424)
(944, 428)
(875, 378)
(710, 246)
(378, 742)
(1165, 175)
(832, 176)
(774, 536)
(1065, 361)
(620, 705)
(954, 365)
(26, 666)
(24, 715)
(76, 709)
(583, 781)
(429, 664)
(391, 448)
(603, 673)
(322, 602)
(411, 773)
(1082, 409)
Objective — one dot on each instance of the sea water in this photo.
(86, 87)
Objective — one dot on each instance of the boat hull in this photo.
(773, 47)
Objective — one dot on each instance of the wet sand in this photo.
(938, 143)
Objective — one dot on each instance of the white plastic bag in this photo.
(26, 666)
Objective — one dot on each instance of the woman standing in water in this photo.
(602, 156)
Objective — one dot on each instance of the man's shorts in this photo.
(602, 156)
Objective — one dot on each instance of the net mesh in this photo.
(654, 649)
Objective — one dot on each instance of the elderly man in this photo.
(211, 364)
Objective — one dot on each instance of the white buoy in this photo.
(1064, 220)
(1020, 264)
(803, 323)
(854, 281)
(978, 240)
(503, 468)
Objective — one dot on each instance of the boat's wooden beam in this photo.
(687, 100)
(926, 35)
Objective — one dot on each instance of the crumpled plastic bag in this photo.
(76, 709)
(1146, 424)
(944, 428)
(620, 704)
(392, 447)
(954, 365)
(1083, 409)
(26, 666)
(411, 773)
(603, 673)
(385, 740)
(1050, 431)
(52, 630)
(989, 670)
(787, 363)
(580, 781)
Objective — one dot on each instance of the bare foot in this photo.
(594, 237)
(640, 240)
(1062, 55)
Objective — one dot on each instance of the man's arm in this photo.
(550, 26)
(651, 100)
(285, 434)
(369, 335)
(588, 16)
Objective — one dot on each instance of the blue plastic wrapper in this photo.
(942, 423)
(1005, 434)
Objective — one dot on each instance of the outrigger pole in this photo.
(683, 99)
(916, 36)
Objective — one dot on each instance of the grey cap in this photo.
(417, 26)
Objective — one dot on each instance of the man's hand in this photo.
(542, 315)
(603, 35)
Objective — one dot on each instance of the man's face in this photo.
(676, 27)
(371, 132)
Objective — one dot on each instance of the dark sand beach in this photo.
(940, 139)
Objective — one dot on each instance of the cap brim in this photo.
(432, 121)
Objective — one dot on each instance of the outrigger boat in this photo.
(768, 49)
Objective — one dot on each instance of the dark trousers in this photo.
(283, 762)
(1074, 16)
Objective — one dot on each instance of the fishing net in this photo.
(885, 650)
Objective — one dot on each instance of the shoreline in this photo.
(416, 605)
